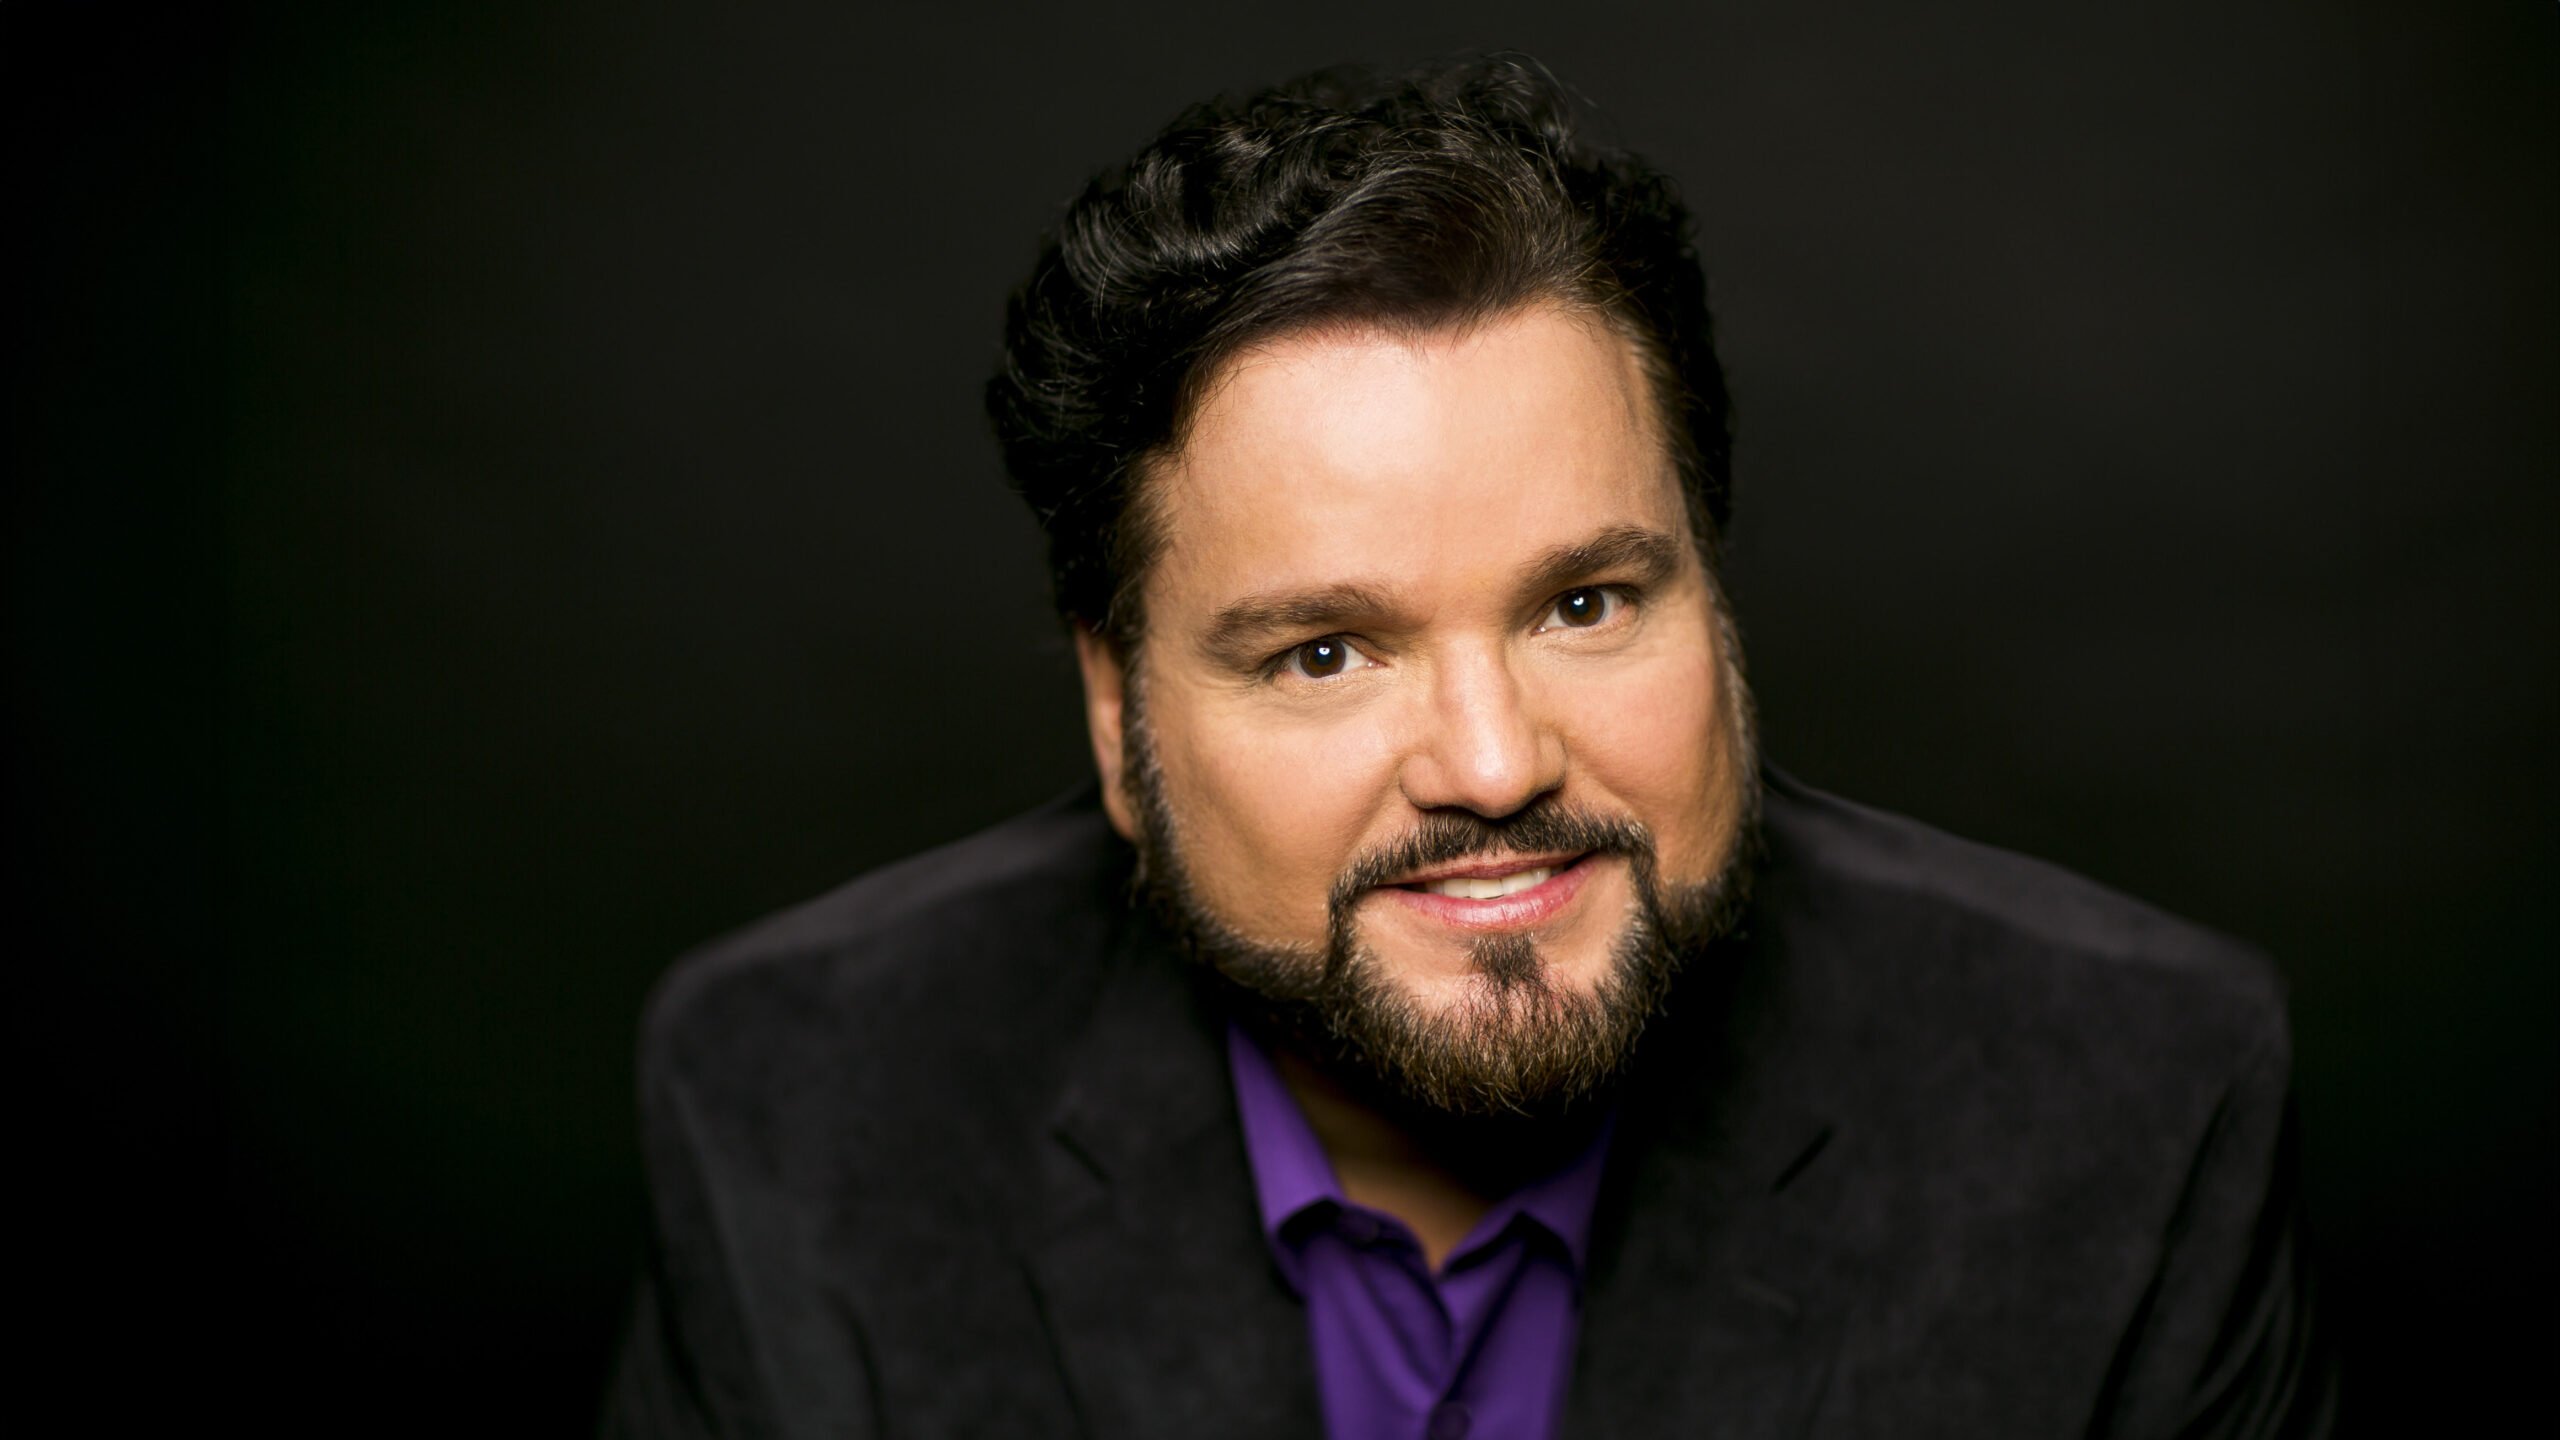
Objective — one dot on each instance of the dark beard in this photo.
(1518, 1045)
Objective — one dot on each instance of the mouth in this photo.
(1505, 892)
(1490, 878)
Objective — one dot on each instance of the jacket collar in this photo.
(1713, 1292)
(1166, 1313)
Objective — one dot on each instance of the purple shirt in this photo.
(1481, 1351)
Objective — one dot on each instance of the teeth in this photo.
(1491, 887)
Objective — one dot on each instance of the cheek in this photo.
(1659, 742)
(1269, 816)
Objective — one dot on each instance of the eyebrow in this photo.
(1645, 557)
(1236, 634)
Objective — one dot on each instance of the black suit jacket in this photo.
(1942, 1142)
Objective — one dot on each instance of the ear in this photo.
(1105, 691)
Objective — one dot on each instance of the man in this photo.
(1440, 1023)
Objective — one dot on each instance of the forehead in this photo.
(1435, 459)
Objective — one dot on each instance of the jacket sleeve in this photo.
(2224, 1346)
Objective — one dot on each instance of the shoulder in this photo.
(1935, 940)
(2053, 1114)
(940, 979)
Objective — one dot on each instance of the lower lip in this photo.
(1534, 906)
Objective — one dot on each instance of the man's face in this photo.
(1432, 676)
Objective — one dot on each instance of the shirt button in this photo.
(1449, 1422)
(1360, 1227)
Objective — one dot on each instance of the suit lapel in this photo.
(1709, 1303)
(1145, 1247)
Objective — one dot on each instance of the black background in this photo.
(497, 498)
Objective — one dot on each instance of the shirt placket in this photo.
(1471, 1289)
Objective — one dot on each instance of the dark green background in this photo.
(497, 498)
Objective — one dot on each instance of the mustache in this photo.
(1450, 835)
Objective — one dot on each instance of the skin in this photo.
(1411, 572)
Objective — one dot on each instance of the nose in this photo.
(1480, 743)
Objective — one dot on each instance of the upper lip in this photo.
(1490, 867)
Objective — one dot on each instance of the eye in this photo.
(1326, 658)
(1582, 608)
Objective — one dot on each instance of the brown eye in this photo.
(1578, 608)
(1323, 658)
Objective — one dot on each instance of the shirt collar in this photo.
(1292, 1173)
(1563, 1200)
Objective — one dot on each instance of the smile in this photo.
(1505, 893)
(1490, 887)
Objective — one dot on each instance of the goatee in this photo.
(1516, 1044)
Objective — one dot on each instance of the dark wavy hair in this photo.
(1449, 195)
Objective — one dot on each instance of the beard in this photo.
(1515, 1043)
